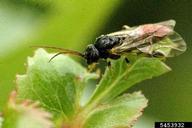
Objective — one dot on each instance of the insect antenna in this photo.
(62, 51)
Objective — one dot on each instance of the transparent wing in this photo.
(169, 23)
(170, 46)
(130, 43)
(130, 30)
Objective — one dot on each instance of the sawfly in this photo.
(155, 40)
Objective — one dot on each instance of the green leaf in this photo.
(122, 76)
(57, 85)
(119, 113)
(25, 114)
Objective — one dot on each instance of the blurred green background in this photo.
(73, 24)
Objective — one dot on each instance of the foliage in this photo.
(18, 115)
(58, 87)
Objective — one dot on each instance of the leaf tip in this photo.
(22, 112)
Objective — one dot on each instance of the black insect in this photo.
(157, 40)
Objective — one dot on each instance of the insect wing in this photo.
(124, 32)
(168, 23)
(171, 45)
(133, 32)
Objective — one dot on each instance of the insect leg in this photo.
(127, 60)
(109, 63)
(98, 72)
(109, 66)
(91, 67)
